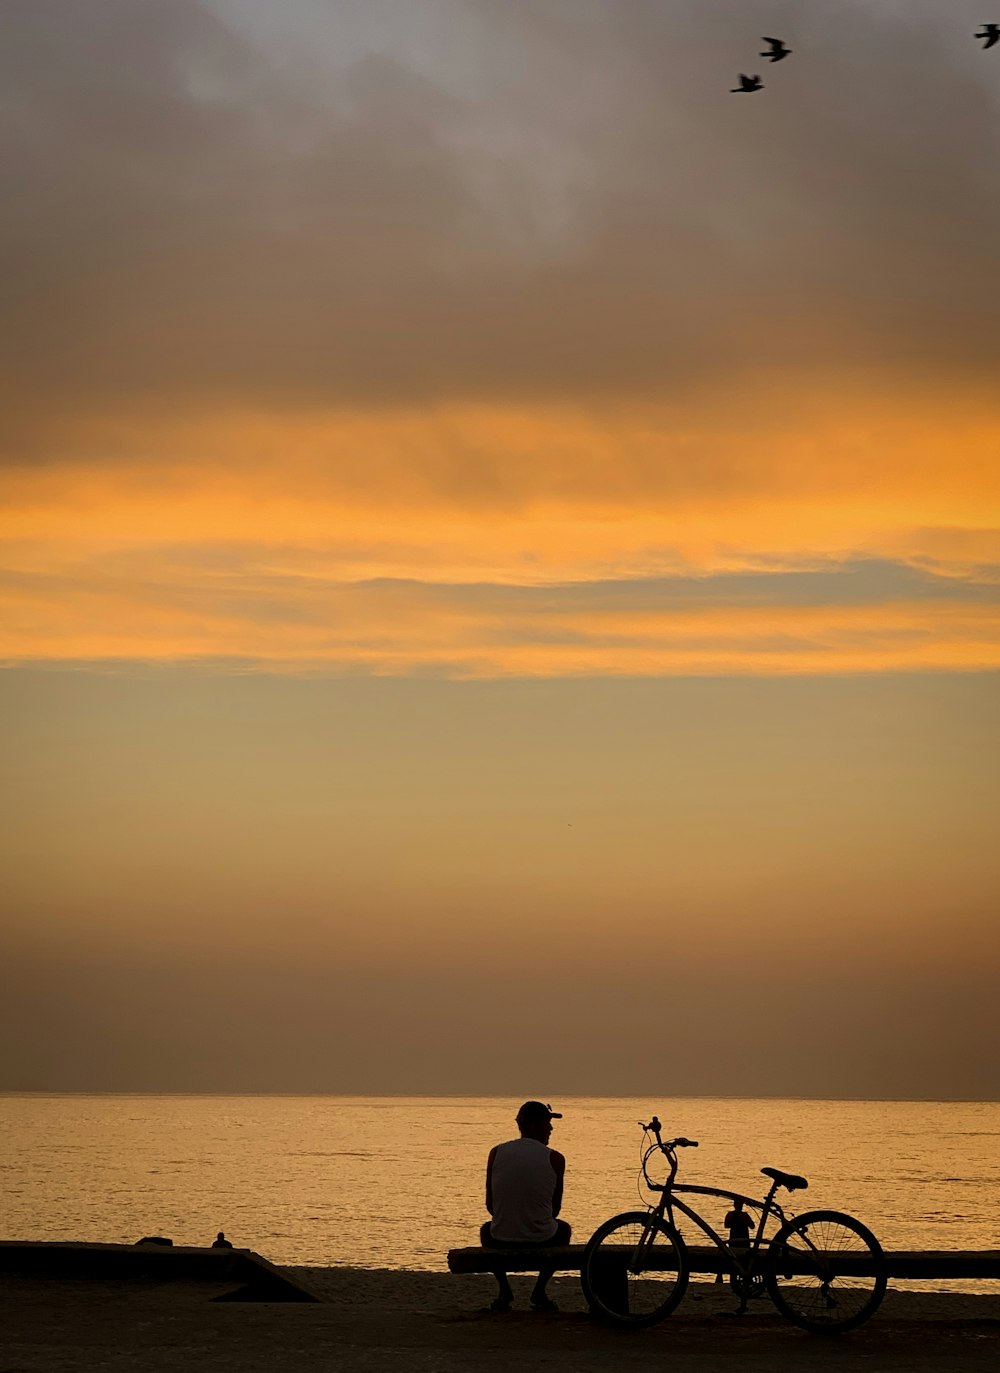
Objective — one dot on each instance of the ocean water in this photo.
(394, 1182)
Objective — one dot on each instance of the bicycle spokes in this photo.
(634, 1269)
(826, 1271)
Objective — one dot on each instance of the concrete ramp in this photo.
(227, 1274)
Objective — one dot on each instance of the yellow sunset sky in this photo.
(496, 530)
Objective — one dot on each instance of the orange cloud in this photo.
(384, 541)
(402, 628)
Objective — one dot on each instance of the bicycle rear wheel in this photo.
(635, 1269)
(826, 1272)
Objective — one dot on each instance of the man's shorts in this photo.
(561, 1236)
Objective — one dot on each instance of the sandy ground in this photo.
(435, 1322)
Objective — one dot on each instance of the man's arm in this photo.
(559, 1168)
(489, 1179)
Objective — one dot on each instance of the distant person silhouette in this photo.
(524, 1192)
(220, 1241)
(739, 1225)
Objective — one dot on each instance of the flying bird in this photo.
(776, 51)
(991, 32)
(747, 83)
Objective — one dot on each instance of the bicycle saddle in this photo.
(790, 1180)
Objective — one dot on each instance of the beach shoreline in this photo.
(370, 1318)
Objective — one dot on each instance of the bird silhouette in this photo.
(776, 51)
(747, 83)
(991, 33)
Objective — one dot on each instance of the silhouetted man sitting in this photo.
(524, 1191)
(220, 1241)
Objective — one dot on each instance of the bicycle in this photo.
(823, 1270)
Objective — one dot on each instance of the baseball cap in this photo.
(537, 1110)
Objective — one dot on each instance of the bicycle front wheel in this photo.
(635, 1269)
(826, 1272)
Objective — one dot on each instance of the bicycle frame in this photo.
(744, 1258)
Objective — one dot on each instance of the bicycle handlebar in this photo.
(654, 1127)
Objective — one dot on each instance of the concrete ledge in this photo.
(246, 1275)
(932, 1264)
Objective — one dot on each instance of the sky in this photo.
(499, 547)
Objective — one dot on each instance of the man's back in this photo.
(523, 1185)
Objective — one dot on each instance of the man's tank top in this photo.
(523, 1183)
